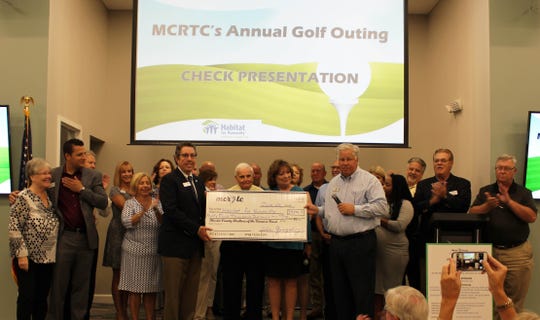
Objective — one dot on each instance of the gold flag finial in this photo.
(27, 101)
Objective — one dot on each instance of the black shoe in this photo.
(314, 314)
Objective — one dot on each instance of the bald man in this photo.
(239, 258)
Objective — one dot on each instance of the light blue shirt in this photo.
(319, 201)
(367, 194)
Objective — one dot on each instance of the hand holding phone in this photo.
(469, 260)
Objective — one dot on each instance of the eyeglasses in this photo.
(505, 169)
(45, 173)
(188, 155)
(441, 160)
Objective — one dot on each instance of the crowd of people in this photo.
(366, 235)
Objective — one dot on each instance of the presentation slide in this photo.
(5, 169)
(270, 72)
(532, 169)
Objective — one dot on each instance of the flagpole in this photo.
(26, 151)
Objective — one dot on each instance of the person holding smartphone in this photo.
(511, 209)
(496, 273)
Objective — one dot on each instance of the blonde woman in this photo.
(120, 193)
(140, 272)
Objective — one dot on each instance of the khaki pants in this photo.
(519, 261)
(180, 283)
(207, 283)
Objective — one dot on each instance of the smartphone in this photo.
(336, 199)
(469, 260)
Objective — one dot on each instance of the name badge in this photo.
(453, 193)
(186, 184)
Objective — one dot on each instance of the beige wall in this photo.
(23, 64)
(515, 79)
(449, 54)
(77, 69)
(448, 60)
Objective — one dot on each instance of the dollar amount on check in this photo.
(257, 215)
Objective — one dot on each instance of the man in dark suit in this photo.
(182, 234)
(318, 178)
(444, 192)
(77, 191)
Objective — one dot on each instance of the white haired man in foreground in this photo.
(403, 303)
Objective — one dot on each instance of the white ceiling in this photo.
(415, 6)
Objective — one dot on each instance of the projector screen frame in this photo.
(528, 166)
(9, 150)
(135, 141)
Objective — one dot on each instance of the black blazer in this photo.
(183, 214)
(458, 200)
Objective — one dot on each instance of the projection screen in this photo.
(274, 72)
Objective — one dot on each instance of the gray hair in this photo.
(527, 315)
(506, 157)
(34, 165)
(418, 160)
(242, 165)
(444, 150)
(406, 303)
(90, 153)
(348, 146)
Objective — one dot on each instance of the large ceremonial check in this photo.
(257, 215)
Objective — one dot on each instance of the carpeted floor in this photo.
(106, 311)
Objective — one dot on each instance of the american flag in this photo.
(26, 150)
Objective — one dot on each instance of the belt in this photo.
(508, 246)
(353, 236)
(77, 230)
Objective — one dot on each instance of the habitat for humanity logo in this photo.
(225, 128)
(210, 127)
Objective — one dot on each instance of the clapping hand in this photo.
(491, 201)
(154, 204)
(106, 180)
(503, 195)
(438, 189)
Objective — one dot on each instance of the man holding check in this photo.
(239, 258)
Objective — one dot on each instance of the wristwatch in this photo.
(508, 304)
